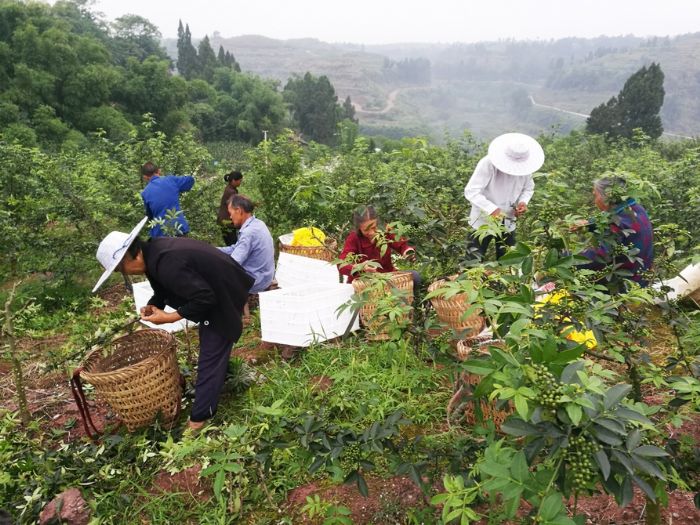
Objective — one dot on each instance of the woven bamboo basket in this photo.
(452, 312)
(138, 376)
(376, 324)
(476, 411)
(324, 253)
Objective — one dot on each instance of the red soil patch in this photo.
(113, 296)
(256, 355)
(602, 510)
(321, 383)
(186, 482)
(388, 499)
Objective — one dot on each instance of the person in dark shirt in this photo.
(203, 284)
(365, 243)
(162, 194)
(629, 226)
(228, 230)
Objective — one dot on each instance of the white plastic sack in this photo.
(293, 270)
(687, 282)
(304, 314)
(142, 293)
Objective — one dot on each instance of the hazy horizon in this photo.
(393, 22)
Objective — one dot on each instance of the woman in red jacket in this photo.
(367, 243)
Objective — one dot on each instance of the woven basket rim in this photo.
(87, 374)
(398, 275)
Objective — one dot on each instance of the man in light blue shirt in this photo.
(254, 250)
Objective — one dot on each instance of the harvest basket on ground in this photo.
(454, 309)
(138, 376)
(373, 290)
(464, 406)
(327, 252)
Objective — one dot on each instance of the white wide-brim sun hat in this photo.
(112, 249)
(516, 154)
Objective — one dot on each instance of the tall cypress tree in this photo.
(206, 60)
(186, 53)
(636, 106)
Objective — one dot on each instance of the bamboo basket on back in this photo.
(327, 252)
(138, 376)
(452, 311)
(376, 324)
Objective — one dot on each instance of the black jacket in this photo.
(202, 283)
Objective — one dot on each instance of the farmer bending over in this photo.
(202, 284)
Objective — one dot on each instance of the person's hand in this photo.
(410, 255)
(497, 213)
(158, 316)
(520, 209)
(577, 225)
(146, 310)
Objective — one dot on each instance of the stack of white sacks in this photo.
(308, 307)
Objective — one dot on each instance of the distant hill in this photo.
(487, 87)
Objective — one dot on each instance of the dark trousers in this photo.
(477, 248)
(212, 365)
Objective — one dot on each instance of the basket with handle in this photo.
(137, 375)
(376, 324)
(463, 406)
(327, 252)
(452, 311)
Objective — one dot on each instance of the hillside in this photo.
(485, 87)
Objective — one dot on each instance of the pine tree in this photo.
(221, 56)
(349, 110)
(636, 106)
(206, 60)
(186, 53)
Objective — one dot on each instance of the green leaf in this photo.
(646, 488)
(519, 468)
(362, 485)
(634, 438)
(648, 467)
(273, 410)
(601, 459)
(650, 451)
(632, 415)
(616, 394)
(521, 405)
(574, 412)
(612, 425)
(478, 367)
(219, 482)
(517, 427)
(570, 371)
(551, 506)
(606, 436)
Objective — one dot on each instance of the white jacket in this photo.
(489, 189)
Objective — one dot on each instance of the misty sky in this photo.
(387, 21)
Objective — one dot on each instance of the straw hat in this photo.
(516, 154)
(112, 249)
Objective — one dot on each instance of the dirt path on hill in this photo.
(391, 99)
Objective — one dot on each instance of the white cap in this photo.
(112, 249)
